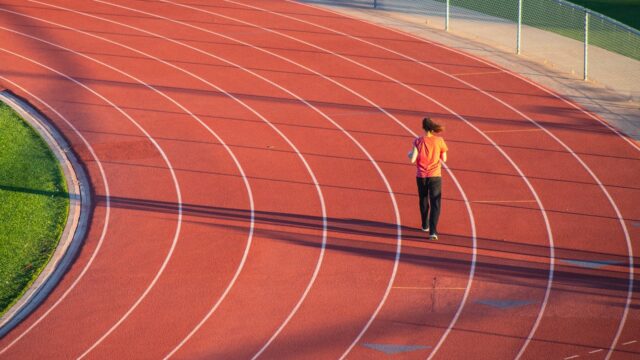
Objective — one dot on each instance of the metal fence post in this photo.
(446, 17)
(375, 4)
(586, 45)
(518, 41)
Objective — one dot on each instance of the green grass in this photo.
(551, 16)
(625, 11)
(34, 205)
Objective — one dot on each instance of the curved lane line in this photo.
(152, 284)
(525, 179)
(398, 250)
(578, 158)
(317, 269)
(620, 218)
(164, 156)
(106, 216)
(631, 142)
(302, 158)
(170, 168)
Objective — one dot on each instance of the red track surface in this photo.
(253, 196)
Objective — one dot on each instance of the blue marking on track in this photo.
(591, 264)
(636, 224)
(504, 304)
(396, 349)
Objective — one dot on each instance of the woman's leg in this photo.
(434, 185)
(423, 197)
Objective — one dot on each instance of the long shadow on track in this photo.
(455, 258)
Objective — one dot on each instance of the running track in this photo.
(253, 197)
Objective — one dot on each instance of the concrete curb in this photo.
(77, 222)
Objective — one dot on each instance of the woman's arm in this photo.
(413, 155)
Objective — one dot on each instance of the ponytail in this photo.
(429, 126)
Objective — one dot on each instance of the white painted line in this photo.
(250, 236)
(524, 178)
(176, 184)
(595, 351)
(596, 179)
(106, 216)
(630, 342)
(179, 198)
(316, 272)
(270, 124)
(483, 61)
(572, 357)
(392, 279)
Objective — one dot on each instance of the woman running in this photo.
(428, 153)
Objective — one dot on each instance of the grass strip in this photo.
(564, 20)
(34, 205)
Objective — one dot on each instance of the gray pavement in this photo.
(553, 61)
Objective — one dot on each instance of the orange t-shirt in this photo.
(429, 150)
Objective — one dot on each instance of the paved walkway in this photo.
(616, 99)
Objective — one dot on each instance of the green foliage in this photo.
(569, 21)
(625, 11)
(34, 205)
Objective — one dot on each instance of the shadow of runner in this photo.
(452, 252)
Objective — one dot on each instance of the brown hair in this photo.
(429, 125)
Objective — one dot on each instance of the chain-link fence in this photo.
(562, 35)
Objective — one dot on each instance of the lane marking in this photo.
(154, 281)
(630, 342)
(312, 175)
(398, 252)
(385, 296)
(384, 178)
(525, 179)
(390, 191)
(107, 216)
(612, 202)
(125, 114)
(595, 351)
(572, 357)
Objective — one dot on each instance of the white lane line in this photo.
(125, 114)
(398, 253)
(572, 357)
(171, 169)
(631, 142)
(505, 155)
(596, 351)
(302, 158)
(630, 342)
(106, 216)
(596, 179)
(317, 269)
